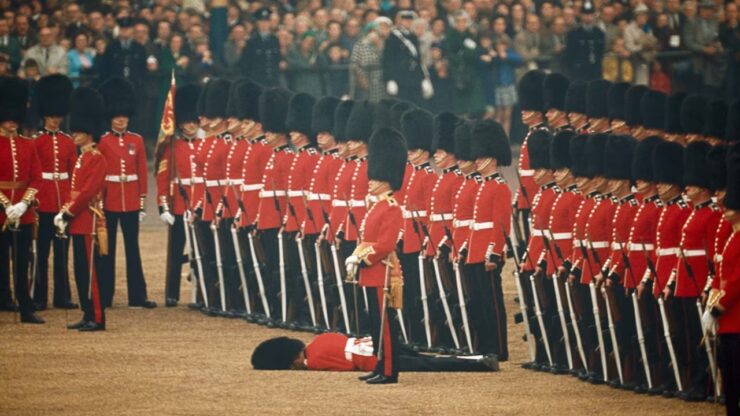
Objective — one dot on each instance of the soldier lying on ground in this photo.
(337, 352)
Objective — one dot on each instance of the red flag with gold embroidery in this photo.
(167, 125)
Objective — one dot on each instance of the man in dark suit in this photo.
(585, 46)
(9, 45)
(260, 60)
(401, 60)
(124, 57)
(23, 33)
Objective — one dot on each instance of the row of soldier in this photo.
(624, 275)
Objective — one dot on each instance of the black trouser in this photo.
(309, 251)
(413, 309)
(134, 273)
(88, 287)
(544, 305)
(589, 334)
(673, 312)
(729, 363)
(15, 246)
(692, 358)
(488, 311)
(208, 259)
(47, 235)
(355, 295)
(297, 296)
(436, 310)
(175, 258)
(411, 361)
(333, 305)
(388, 364)
(552, 321)
(269, 241)
(232, 279)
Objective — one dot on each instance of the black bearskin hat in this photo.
(673, 113)
(418, 128)
(200, 106)
(86, 112)
(696, 168)
(632, 105)
(277, 353)
(387, 154)
(732, 131)
(693, 113)
(186, 99)
(322, 119)
(538, 148)
(119, 97)
(244, 100)
(273, 109)
(578, 158)
(732, 197)
(575, 97)
(620, 150)
(716, 119)
(52, 95)
(617, 100)
(560, 149)
(642, 161)
(668, 163)
(360, 122)
(13, 100)
(233, 103)
(652, 106)
(554, 90)
(595, 152)
(490, 140)
(463, 141)
(300, 110)
(341, 115)
(217, 95)
(597, 98)
(716, 164)
(444, 132)
(530, 91)
(397, 111)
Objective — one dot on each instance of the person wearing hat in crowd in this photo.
(375, 259)
(124, 57)
(402, 69)
(487, 242)
(261, 58)
(575, 105)
(174, 179)
(585, 46)
(81, 215)
(20, 179)
(326, 352)
(700, 36)
(722, 314)
(554, 90)
(597, 106)
(125, 191)
(57, 154)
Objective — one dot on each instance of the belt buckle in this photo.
(123, 177)
(56, 176)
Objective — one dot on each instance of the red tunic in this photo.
(587, 205)
(560, 225)
(724, 230)
(491, 219)
(379, 229)
(298, 181)
(210, 164)
(462, 210)
(337, 352)
(728, 281)
(20, 174)
(125, 182)
(526, 176)
(667, 238)
(641, 245)
(598, 237)
(357, 199)
(441, 203)
(256, 157)
(320, 186)
(341, 188)
(697, 245)
(57, 154)
(88, 181)
(274, 187)
(621, 226)
(234, 181)
(538, 222)
(415, 202)
(168, 181)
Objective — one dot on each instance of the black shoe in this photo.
(91, 327)
(596, 379)
(251, 318)
(170, 302)
(558, 369)
(271, 323)
(39, 306)
(641, 389)
(669, 394)
(574, 372)
(628, 385)
(32, 318)
(691, 395)
(147, 304)
(66, 305)
(529, 365)
(490, 361)
(655, 391)
(77, 325)
(9, 307)
(195, 306)
(613, 383)
(368, 376)
(381, 379)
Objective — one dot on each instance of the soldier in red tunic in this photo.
(81, 213)
(57, 154)
(575, 106)
(555, 87)
(486, 244)
(617, 97)
(125, 191)
(20, 177)
(722, 314)
(632, 108)
(375, 255)
(175, 172)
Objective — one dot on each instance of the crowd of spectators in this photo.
(472, 51)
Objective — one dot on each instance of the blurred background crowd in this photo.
(472, 51)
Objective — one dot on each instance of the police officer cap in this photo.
(262, 13)
(588, 8)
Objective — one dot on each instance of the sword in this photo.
(258, 275)
(219, 260)
(460, 292)
(558, 299)
(195, 248)
(237, 244)
(353, 221)
(597, 315)
(302, 260)
(340, 285)
(422, 282)
(281, 257)
(523, 304)
(319, 266)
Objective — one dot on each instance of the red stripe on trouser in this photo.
(387, 344)
(94, 290)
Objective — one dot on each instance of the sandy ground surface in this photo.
(179, 362)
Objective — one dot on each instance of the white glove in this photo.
(392, 88)
(708, 323)
(351, 264)
(60, 223)
(166, 218)
(142, 215)
(469, 43)
(427, 90)
(16, 211)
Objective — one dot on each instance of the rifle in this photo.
(597, 316)
(193, 251)
(558, 299)
(217, 243)
(337, 272)
(422, 282)
(302, 260)
(319, 271)
(523, 304)
(350, 279)
(237, 246)
(281, 256)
